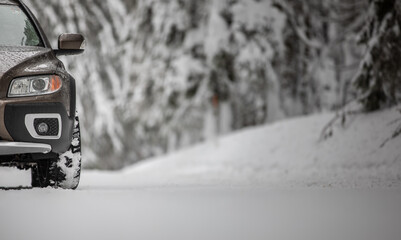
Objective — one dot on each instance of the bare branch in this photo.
(396, 134)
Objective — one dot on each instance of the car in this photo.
(39, 126)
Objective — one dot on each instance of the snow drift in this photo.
(287, 154)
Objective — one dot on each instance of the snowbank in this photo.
(285, 154)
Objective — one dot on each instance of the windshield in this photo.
(16, 28)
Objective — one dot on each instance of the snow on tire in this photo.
(66, 171)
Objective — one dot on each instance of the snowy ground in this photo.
(276, 182)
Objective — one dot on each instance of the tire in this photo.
(64, 171)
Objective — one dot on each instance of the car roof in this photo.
(10, 2)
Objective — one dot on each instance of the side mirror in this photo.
(70, 44)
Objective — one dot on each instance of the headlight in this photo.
(33, 86)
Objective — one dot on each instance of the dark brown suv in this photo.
(39, 127)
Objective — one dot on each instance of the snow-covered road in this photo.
(273, 182)
(100, 212)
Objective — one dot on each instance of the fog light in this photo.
(43, 128)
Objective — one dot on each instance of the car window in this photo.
(16, 29)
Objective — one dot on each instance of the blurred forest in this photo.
(160, 75)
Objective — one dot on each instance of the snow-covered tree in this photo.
(161, 75)
(379, 78)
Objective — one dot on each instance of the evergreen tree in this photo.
(379, 78)
(30, 34)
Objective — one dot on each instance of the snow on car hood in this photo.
(10, 57)
(14, 56)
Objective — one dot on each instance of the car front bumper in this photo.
(13, 148)
(19, 122)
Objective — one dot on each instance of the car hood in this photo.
(11, 57)
(25, 61)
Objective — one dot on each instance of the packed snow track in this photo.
(100, 212)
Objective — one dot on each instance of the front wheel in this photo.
(64, 171)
